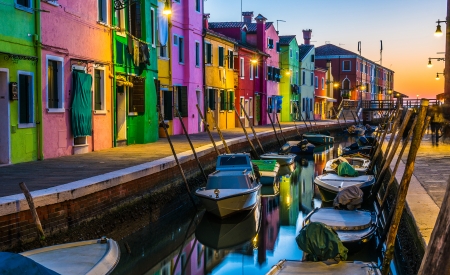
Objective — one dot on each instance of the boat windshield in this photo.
(233, 160)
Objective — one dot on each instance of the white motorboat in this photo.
(330, 184)
(359, 164)
(232, 188)
(268, 169)
(97, 257)
(285, 267)
(282, 159)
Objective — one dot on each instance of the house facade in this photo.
(20, 97)
(289, 85)
(134, 45)
(306, 70)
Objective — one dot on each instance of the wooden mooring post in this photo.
(190, 143)
(251, 127)
(274, 130)
(279, 126)
(404, 185)
(337, 118)
(246, 135)
(208, 130)
(227, 150)
(33, 211)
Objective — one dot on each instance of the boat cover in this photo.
(342, 219)
(345, 169)
(321, 243)
(13, 264)
(350, 198)
(265, 165)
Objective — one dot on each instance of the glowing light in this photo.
(429, 63)
(438, 31)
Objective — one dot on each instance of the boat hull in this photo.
(329, 188)
(319, 139)
(281, 159)
(268, 177)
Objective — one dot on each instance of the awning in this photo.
(82, 104)
(329, 99)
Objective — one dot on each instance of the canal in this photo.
(191, 242)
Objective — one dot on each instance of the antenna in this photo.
(381, 52)
(359, 47)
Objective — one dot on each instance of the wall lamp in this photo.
(167, 10)
(438, 31)
(437, 75)
(438, 59)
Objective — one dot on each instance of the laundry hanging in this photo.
(163, 26)
(144, 54)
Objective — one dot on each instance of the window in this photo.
(312, 79)
(230, 59)
(250, 106)
(323, 83)
(223, 100)
(99, 90)
(270, 43)
(290, 53)
(241, 67)
(199, 254)
(197, 54)
(312, 58)
(296, 55)
(316, 82)
(251, 71)
(303, 104)
(212, 99)
(175, 40)
(256, 70)
(182, 102)
(278, 47)
(296, 77)
(361, 67)
(120, 21)
(167, 104)
(80, 141)
(55, 84)
(181, 50)
(26, 99)
(269, 73)
(208, 53)
(197, 5)
(221, 56)
(135, 19)
(231, 100)
(152, 27)
(23, 4)
(102, 16)
(346, 65)
(162, 51)
(136, 96)
(242, 106)
(269, 104)
(303, 77)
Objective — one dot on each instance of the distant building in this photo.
(307, 67)
(289, 85)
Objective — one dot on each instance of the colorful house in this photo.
(76, 87)
(307, 61)
(289, 88)
(323, 92)
(20, 101)
(134, 44)
(219, 78)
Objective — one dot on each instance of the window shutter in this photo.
(220, 57)
(231, 100)
(168, 101)
(53, 100)
(157, 83)
(278, 48)
(24, 99)
(212, 99)
(230, 60)
(223, 100)
(135, 19)
(97, 90)
(183, 101)
(208, 52)
(137, 96)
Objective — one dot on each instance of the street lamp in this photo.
(417, 97)
(437, 75)
(167, 11)
(438, 31)
(438, 59)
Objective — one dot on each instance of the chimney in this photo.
(248, 16)
(261, 40)
(307, 36)
(205, 20)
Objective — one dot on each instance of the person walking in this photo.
(436, 123)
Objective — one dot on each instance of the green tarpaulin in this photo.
(265, 165)
(345, 169)
(82, 104)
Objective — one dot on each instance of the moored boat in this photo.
(338, 268)
(318, 139)
(355, 148)
(84, 257)
(282, 159)
(359, 164)
(268, 169)
(330, 184)
(298, 147)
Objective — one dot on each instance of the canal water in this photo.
(191, 242)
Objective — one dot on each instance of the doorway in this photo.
(247, 110)
(5, 153)
(121, 120)
(200, 123)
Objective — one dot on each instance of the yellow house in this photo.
(219, 79)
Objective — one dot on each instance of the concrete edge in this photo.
(73, 190)
(419, 204)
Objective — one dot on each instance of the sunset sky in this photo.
(405, 26)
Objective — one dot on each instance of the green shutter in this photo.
(231, 101)
(136, 97)
(97, 90)
(208, 53)
(223, 99)
(258, 107)
(135, 19)
(212, 99)
(220, 57)
(168, 114)
(183, 101)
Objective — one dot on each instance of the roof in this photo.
(229, 25)
(330, 49)
(286, 39)
(304, 50)
(221, 36)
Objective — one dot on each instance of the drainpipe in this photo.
(37, 43)
(113, 83)
(205, 108)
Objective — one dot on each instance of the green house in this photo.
(289, 85)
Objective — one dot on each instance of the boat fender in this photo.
(217, 192)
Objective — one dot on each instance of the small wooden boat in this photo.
(354, 228)
(85, 257)
(359, 164)
(282, 159)
(330, 184)
(355, 148)
(268, 169)
(232, 188)
(285, 267)
(318, 139)
(298, 147)
(355, 130)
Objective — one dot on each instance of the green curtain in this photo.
(82, 104)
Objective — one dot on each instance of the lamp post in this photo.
(279, 20)
(437, 75)
(447, 52)
(438, 59)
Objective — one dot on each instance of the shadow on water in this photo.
(247, 243)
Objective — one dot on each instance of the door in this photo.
(121, 121)
(200, 123)
(247, 110)
(4, 118)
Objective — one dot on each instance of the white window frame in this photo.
(24, 8)
(120, 19)
(343, 65)
(256, 70)
(251, 71)
(241, 65)
(80, 144)
(102, 91)
(104, 12)
(33, 123)
(183, 52)
(250, 107)
(153, 29)
(211, 53)
(61, 78)
(175, 39)
(230, 55)
(197, 54)
(316, 82)
(323, 83)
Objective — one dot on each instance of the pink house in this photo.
(76, 42)
(187, 63)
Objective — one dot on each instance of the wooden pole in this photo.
(343, 116)
(207, 130)
(296, 128)
(246, 134)
(275, 131)
(388, 160)
(190, 143)
(176, 159)
(435, 260)
(306, 125)
(251, 127)
(337, 118)
(354, 118)
(33, 211)
(227, 150)
(279, 126)
(404, 185)
(391, 139)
